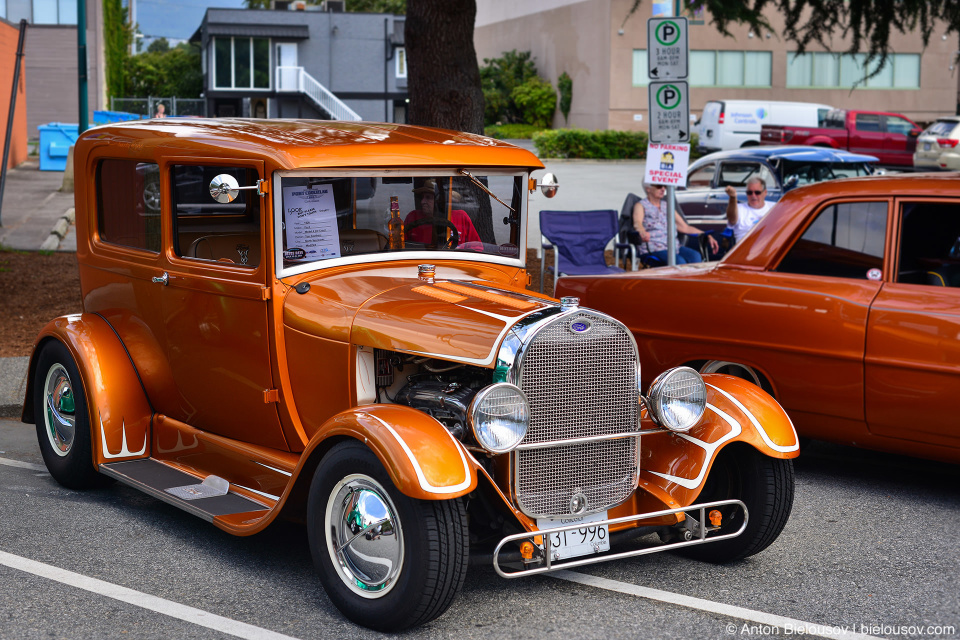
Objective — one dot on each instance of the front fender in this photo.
(119, 411)
(737, 411)
(423, 460)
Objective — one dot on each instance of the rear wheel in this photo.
(63, 425)
(387, 561)
(764, 484)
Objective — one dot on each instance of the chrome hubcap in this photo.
(364, 537)
(59, 414)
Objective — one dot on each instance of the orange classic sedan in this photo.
(842, 303)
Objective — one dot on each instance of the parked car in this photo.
(281, 348)
(937, 145)
(843, 303)
(732, 124)
(891, 137)
(704, 200)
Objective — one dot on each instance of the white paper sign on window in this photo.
(311, 222)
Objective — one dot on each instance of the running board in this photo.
(154, 478)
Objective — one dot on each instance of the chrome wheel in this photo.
(364, 537)
(59, 414)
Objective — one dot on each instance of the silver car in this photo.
(937, 145)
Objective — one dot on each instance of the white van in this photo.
(731, 124)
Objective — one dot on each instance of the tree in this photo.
(117, 36)
(174, 72)
(867, 22)
(398, 7)
(160, 45)
(498, 78)
(443, 78)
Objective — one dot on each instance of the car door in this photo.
(867, 136)
(215, 313)
(694, 199)
(900, 140)
(912, 363)
(816, 317)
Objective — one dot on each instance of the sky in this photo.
(174, 19)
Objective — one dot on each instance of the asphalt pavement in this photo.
(36, 215)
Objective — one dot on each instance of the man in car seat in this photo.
(427, 193)
(742, 217)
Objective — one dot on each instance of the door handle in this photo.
(164, 279)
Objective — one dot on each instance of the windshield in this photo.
(329, 217)
(810, 172)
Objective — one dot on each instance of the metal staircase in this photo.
(296, 79)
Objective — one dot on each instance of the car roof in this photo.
(798, 153)
(294, 144)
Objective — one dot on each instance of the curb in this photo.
(13, 385)
(59, 231)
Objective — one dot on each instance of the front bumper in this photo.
(550, 565)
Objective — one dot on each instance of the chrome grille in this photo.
(579, 384)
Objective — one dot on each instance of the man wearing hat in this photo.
(427, 193)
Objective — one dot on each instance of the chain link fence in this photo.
(148, 107)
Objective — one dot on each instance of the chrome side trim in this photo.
(551, 566)
(266, 466)
(573, 441)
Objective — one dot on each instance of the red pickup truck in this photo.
(891, 137)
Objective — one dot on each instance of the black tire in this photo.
(432, 534)
(67, 450)
(764, 484)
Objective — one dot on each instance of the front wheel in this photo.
(63, 425)
(762, 483)
(387, 561)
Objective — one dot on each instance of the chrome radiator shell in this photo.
(580, 371)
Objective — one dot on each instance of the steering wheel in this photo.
(451, 243)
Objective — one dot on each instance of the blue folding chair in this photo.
(578, 239)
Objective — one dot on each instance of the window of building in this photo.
(844, 241)
(128, 203)
(39, 11)
(833, 70)
(641, 75)
(401, 55)
(730, 68)
(241, 63)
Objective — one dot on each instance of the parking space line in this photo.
(22, 465)
(142, 600)
(798, 627)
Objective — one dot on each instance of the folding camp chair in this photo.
(578, 239)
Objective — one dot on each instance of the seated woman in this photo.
(650, 221)
(427, 193)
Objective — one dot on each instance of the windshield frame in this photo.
(430, 256)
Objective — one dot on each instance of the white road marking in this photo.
(22, 465)
(142, 600)
(837, 632)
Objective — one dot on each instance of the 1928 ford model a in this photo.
(328, 321)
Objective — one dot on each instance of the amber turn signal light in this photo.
(526, 550)
(715, 518)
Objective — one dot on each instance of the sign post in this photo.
(668, 98)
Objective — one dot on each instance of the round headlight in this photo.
(498, 416)
(678, 398)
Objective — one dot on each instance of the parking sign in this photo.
(669, 112)
(667, 51)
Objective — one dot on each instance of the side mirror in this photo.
(224, 188)
(549, 185)
(791, 182)
(916, 131)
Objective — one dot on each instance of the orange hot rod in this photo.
(328, 321)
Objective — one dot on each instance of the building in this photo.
(304, 63)
(9, 38)
(50, 59)
(604, 52)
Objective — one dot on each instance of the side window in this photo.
(702, 178)
(206, 229)
(929, 244)
(736, 174)
(844, 241)
(898, 125)
(128, 203)
(868, 122)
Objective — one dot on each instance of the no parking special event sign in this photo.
(667, 164)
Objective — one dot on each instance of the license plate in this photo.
(926, 146)
(586, 539)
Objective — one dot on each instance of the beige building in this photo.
(604, 52)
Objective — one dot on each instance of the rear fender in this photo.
(119, 412)
(423, 460)
(737, 411)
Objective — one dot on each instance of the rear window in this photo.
(942, 128)
(128, 203)
(835, 119)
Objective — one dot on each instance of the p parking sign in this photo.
(667, 50)
(669, 112)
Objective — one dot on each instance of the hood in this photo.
(462, 320)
